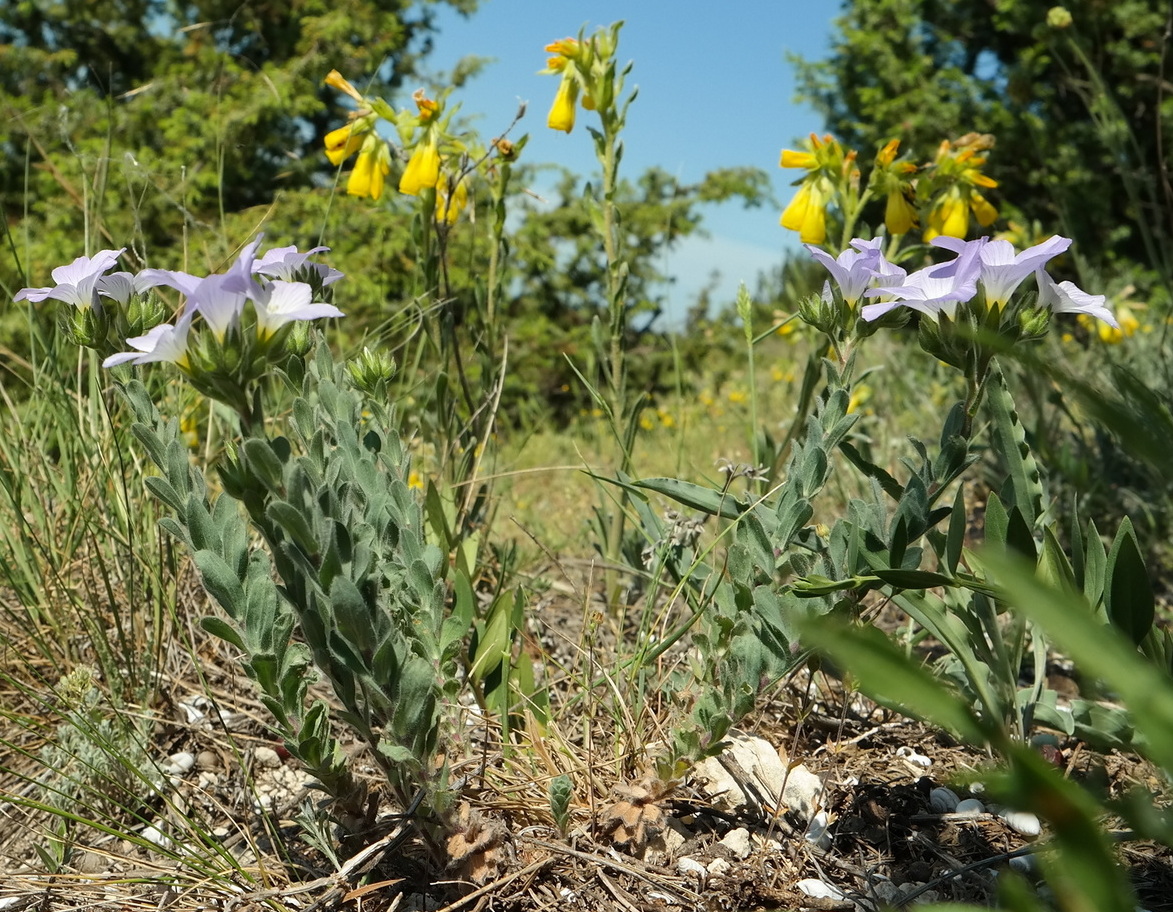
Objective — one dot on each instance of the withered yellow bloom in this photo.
(450, 201)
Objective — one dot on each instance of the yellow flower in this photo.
(950, 217)
(899, 213)
(807, 212)
(415, 480)
(826, 164)
(893, 179)
(860, 396)
(561, 115)
(423, 168)
(1112, 335)
(370, 169)
(345, 141)
(448, 209)
(956, 177)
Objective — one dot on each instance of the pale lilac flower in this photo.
(1002, 269)
(852, 270)
(239, 274)
(219, 299)
(183, 282)
(162, 343)
(121, 286)
(1065, 297)
(930, 290)
(77, 283)
(286, 262)
(280, 302)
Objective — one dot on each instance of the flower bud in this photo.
(1059, 17)
(371, 371)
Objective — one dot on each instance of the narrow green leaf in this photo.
(892, 678)
(1129, 598)
(707, 500)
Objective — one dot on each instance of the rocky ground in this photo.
(822, 801)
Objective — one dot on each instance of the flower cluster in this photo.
(947, 189)
(424, 132)
(244, 314)
(587, 70)
(984, 273)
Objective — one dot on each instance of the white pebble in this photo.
(266, 757)
(820, 890)
(1022, 822)
(738, 842)
(943, 800)
(970, 806)
(178, 764)
(913, 757)
(154, 835)
(816, 832)
(719, 867)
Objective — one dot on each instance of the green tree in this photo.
(146, 120)
(1079, 106)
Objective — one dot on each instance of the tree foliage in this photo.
(147, 118)
(1082, 113)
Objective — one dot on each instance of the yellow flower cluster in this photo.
(425, 169)
(948, 188)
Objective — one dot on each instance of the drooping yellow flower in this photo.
(423, 168)
(345, 141)
(955, 182)
(561, 115)
(807, 212)
(893, 179)
(949, 216)
(567, 54)
(1112, 335)
(450, 201)
(370, 169)
(899, 213)
(827, 166)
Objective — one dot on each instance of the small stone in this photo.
(819, 889)
(179, 763)
(817, 833)
(266, 757)
(970, 807)
(907, 753)
(153, 834)
(738, 843)
(773, 778)
(207, 760)
(1022, 822)
(719, 867)
(943, 800)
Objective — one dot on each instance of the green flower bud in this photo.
(1059, 17)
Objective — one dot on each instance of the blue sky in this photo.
(715, 90)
